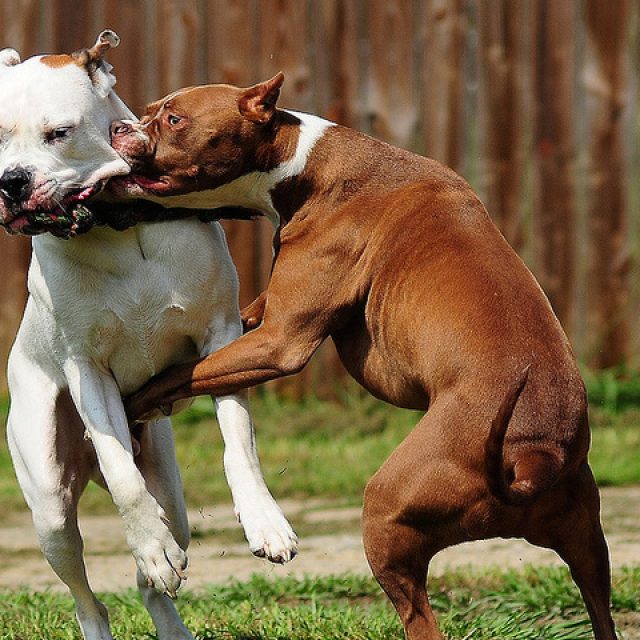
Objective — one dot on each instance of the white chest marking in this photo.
(312, 128)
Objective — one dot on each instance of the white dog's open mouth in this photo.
(65, 219)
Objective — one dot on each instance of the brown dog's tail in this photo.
(534, 470)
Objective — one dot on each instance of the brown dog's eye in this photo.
(173, 119)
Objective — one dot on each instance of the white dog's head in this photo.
(55, 114)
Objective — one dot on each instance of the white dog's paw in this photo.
(268, 532)
(162, 562)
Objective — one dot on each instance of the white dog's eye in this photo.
(59, 133)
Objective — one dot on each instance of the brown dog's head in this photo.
(197, 139)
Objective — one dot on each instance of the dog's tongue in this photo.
(149, 183)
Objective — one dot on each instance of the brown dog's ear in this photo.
(258, 103)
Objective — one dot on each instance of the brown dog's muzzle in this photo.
(127, 141)
(121, 128)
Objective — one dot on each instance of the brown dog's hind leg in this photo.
(575, 533)
(425, 498)
(399, 558)
(413, 508)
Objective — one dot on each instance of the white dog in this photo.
(106, 311)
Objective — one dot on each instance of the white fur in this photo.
(36, 99)
(106, 311)
(8, 58)
(253, 190)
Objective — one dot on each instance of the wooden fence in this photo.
(535, 102)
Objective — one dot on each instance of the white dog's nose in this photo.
(15, 183)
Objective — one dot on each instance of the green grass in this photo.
(311, 448)
(615, 447)
(320, 448)
(531, 605)
(613, 390)
(329, 449)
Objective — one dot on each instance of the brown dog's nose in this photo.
(121, 127)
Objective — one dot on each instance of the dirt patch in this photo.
(330, 544)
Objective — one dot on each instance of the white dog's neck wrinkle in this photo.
(253, 190)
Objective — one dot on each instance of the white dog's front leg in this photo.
(97, 399)
(267, 530)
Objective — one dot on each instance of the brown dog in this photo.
(395, 258)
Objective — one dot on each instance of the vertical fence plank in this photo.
(283, 46)
(554, 147)
(231, 45)
(70, 34)
(129, 59)
(392, 93)
(20, 22)
(337, 88)
(338, 61)
(444, 34)
(607, 83)
(178, 44)
(633, 170)
(502, 77)
(15, 254)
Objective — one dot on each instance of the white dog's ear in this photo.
(9, 58)
(93, 61)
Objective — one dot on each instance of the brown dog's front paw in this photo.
(253, 313)
(249, 323)
(137, 409)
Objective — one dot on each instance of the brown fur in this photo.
(395, 258)
(57, 61)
